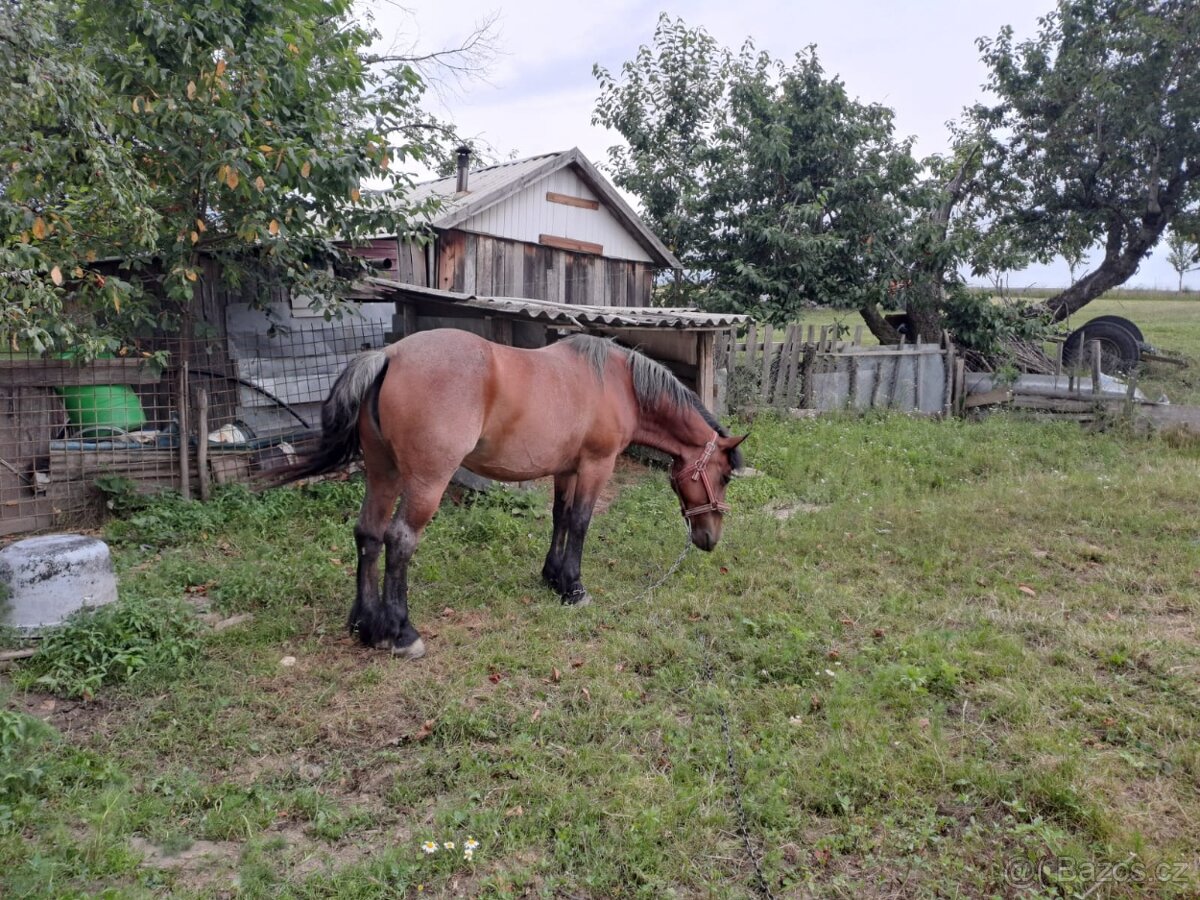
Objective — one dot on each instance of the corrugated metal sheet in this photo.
(480, 183)
(566, 315)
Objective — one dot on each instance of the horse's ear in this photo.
(728, 443)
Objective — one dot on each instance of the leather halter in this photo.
(698, 471)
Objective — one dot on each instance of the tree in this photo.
(1183, 252)
(1093, 138)
(64, 176)
(665, 104)
(772, 184)
(166, 130)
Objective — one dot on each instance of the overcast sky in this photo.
(917, 57)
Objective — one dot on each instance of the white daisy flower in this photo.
(430, 846)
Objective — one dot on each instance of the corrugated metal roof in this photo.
(480, 183)
(567, 315)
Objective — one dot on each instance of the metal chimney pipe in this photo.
(464, 165)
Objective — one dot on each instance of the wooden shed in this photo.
(549, 227)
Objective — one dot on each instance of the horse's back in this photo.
(507, 413)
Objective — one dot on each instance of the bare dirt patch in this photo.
(76, 720)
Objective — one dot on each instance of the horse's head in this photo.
(700, 482)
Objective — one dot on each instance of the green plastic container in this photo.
(103, 409)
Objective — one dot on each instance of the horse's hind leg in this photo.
(368, 538)
(564, 491)
(402, 537)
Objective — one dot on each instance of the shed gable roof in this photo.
(494, 184)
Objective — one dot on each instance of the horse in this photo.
(436, 400)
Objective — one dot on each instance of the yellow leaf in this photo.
(191, 90)
(77, 272)
(191, 274)
(136, 105)
(273, 227)
(56, 275)
(195, 237)
(355, 194)
(116, 300)
(305, 170)
(220, 67)
(293, 48)
(265, 148)
(384, 162)
(200, 226)
(231, 178)
(90, 256)
(39, 228)
(260, 184)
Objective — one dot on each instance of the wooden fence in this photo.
(817, 368)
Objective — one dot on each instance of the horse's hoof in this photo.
(577, 598)
(415, 650)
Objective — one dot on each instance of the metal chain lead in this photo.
(735, 781)
(687, 546)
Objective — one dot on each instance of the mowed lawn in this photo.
(927, 659)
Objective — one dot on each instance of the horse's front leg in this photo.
(591, 478)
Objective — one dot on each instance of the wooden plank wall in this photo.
(783, 366)
(495, 267)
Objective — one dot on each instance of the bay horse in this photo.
(435, 400)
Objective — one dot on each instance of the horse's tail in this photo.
(339, 442)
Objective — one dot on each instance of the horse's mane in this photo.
(653, 383)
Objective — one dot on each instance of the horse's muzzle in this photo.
(704, 538)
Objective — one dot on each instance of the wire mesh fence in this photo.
(74, 435)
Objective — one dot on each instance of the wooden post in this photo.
(858, 335)
(879, 361)
(500, 330)
(899, 358)
(810, 358)
(185, 481)
(781, 376)
(917, 377)
(960, 385)
(1058, 360)
(706, 374)
(948, 388)
(1094, 346)
(852, 375)
(751, 343)
(202, 442)
(766, 363)
(794, 365)
(1130, 391)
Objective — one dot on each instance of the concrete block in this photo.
(45, 579)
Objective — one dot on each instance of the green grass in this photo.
(969, 649)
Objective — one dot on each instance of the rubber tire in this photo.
(1122, 321)
(1116, 341)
